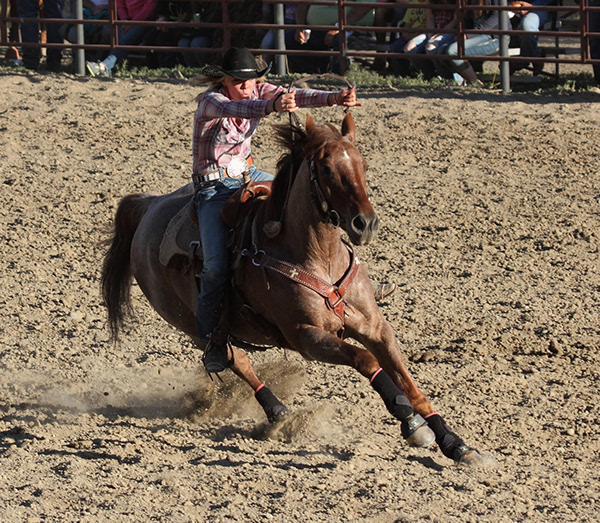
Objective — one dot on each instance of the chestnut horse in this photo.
(302, 282)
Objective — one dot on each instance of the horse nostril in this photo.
(359, 223)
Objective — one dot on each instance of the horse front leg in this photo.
(317, 344)
(387, 352)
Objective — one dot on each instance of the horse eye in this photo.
(326, 170)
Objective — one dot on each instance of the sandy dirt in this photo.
(490, 212)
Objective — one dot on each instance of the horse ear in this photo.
(310, 124)
(348, 128)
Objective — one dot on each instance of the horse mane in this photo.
(300, 144)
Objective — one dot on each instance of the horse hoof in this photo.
(472, 458)
(277, 413)
(423, 437)
(416, 431)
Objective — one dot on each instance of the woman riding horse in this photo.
(227, 117)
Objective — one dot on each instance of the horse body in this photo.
(320, 185)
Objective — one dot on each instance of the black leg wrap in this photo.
(274, 409)
(450, 444)
(395, 401)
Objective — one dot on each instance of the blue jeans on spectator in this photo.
(436, 44)
(195, 59)
(30, 32)
(214, 235)
(532, 21)
(134, 36)
(400, 66)
(479, 45)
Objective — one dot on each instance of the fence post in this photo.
(504, 40)
(280, 68)
(80, 53)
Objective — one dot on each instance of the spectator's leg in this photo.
(307, 64)
(439, 46)
(134, 36)
(532, 22)
(400, 66)
(417, 45)
(30, 32)
(52, 9)
(481, 45)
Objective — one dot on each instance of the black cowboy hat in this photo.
(238, 63)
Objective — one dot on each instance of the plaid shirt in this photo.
(223, 128)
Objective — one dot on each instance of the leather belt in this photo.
(235, 169)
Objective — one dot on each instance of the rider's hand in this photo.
(347, 98)
(286, 103)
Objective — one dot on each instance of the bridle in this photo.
(325, 211)
(317, 196)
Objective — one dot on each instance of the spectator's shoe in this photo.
(538, 67)
(96, 69)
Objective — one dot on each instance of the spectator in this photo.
(92, 33)
(435, 41)
(197, 37)
(30, 32)
(322, 40)
(161, 35)
(227, 117)
(414, 18)
(135, 10)
(474, 44)
(269, 41)
(531, 21)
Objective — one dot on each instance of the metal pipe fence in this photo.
(228, 26)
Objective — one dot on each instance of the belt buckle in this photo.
(237, 167)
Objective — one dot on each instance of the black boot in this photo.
(216, 354)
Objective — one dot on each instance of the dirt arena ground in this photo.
(490, 213)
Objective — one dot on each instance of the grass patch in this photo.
(357, 75)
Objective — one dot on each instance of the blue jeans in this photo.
(400, 66)
(214, 235)
(30, 32)
(480, 45)
(436, 44)
(195, 59)
(532, 21)
(134, 36)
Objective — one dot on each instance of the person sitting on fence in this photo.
(30, 32)
(414, 18)
(531, 21)
(137, 10)
(322, 40)
(474, 44)
(435, 41)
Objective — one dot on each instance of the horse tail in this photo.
(116, 269)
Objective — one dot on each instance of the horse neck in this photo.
(304, 232)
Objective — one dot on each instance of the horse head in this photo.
(338, 179)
